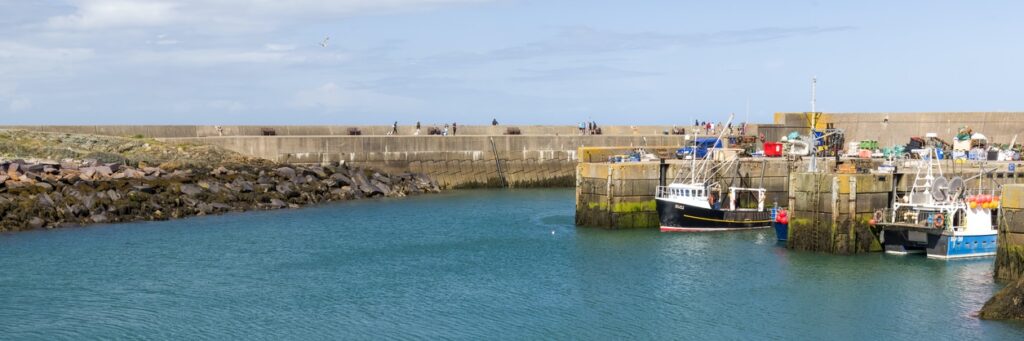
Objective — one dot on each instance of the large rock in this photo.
(145, 188)
(99, 218)
(277, 203)
(381, 187)
(342, 179)
(243, 186)
(1007, 304)
(285, 172)
(12, 170)
(287, 189)
(318, 172)
(36, 222)
(190, 189)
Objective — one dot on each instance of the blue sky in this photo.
(521, 61)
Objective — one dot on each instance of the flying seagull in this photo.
(323, 43)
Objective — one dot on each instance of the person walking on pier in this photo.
(455, 126)
(417, 128)
(394, 129)
(445, 132)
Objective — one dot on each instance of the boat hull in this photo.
(936, 243)
(677, 217)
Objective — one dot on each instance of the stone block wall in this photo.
(621, 195)
(453, 161)
(830, 212)
(1010, 252)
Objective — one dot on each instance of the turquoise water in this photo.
(468, 264)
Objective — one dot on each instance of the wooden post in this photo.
(791, 204)
(853, 197)
(853, 214)
(835, 199)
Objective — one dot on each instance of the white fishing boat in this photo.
(940, 217)
(698, 203)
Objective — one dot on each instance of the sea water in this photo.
(481, 264)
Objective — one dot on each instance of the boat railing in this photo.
(911, 215)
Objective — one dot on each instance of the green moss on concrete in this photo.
(635, 206)
(848, 236)
(635, 220)
(495, 182)
(1009, 262)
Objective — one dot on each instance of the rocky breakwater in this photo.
(47, 194)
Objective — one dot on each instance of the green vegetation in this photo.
(135, 151)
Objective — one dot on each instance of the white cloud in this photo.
(227, 105)
(18, 60)
(93, 14)
(332, 97)
(215, 56)
(281, 55)
(278, 47)
(102, 14)
(20, 104)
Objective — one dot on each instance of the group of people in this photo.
(452, 128)
(589, 128)
(714, 128)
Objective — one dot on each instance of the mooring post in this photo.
(853, 197)
(835, 200)
(662, 172)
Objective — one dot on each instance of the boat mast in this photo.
(707, 156)
(813, 166)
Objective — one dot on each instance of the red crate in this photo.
(772, 149)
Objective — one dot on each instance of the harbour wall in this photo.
(1010, 251)
(999, 127)
(169, 131)
(452, 161)
(831, 212)
(621, 195)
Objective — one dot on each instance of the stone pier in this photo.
(1010, 253)
(830, 212)
(621, 195)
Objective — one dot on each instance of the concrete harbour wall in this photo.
(999, 127)
(830, 212)
(1010, 252)
(405, 129)
(621, 195)
(452, 161)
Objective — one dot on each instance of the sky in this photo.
(519, 61)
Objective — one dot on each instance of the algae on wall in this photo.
(830, 212)
(1010, 252)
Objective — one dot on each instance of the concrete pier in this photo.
(452, 161)
(1010, 252)
(830, 212)
(621, 195)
